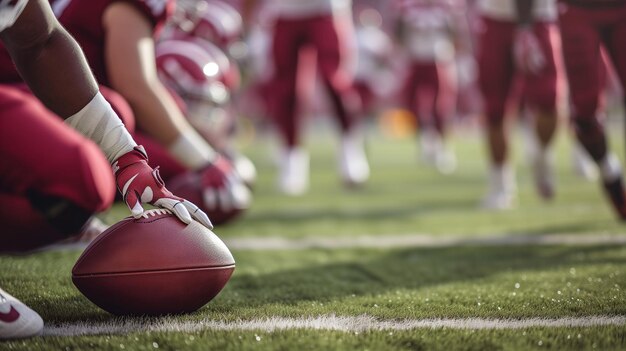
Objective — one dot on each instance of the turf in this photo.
(507, 282)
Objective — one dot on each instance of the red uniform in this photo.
(585, 27)
(45, 163)
(495, 58)
(42, 159)
(430, 87)
(301, 24)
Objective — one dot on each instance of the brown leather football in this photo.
(153, 265)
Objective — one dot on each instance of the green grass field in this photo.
(493, 268)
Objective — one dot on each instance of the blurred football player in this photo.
(193, 59)
(376, 69)
(118, 40)
(326, 26)
(586, 27)
(515, 38)
(430, 31)
(52, 179)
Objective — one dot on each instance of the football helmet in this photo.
(212, 20)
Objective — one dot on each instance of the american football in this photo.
(153, 265)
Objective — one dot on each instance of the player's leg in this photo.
(541, 94)
(444, 110)
(581, 51)
(495, 64)
(294, 160)
(331, 37)
(430, 115)
(614, 43)
(58, 178)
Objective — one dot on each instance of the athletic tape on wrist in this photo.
(98, 122)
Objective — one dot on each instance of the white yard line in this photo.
(403, 241)
(325, 322)
(419, 240)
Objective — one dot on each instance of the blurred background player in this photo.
(587, 27)
(52, 179)
(431, 32)
(515, 39)
(195, 59)
(377, 67)
(118, 40)
(326, 26)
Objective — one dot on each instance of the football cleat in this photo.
(16, 319)
(582, 164)
(435, 153)
(294, 172)
(353, 165)
(445, 161)
(502, 189)
(543, 174)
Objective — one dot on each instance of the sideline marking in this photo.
(325, 322)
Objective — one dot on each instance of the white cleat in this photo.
(294, 172)
(502, 189)
(435, 153)
(499, 201)
(584, 167)
(445, 161)
(16, 319)
(543, 174)
(429, 144)
(353, 165)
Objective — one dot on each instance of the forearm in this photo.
(158, 115)
(156, 112)
(524, 12)
(50, 61)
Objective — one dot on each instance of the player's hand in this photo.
(140, 184)
(223, 188)
(529, 56)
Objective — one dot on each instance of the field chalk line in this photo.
(419, 240)
(361, 323)
(260, 243)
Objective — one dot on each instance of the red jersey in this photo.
(83, 20)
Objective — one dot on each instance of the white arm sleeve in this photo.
(98, 122)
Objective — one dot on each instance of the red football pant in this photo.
(329, 40)
(497, 70)
(40, 154)
(430, 94)
(584, 30)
